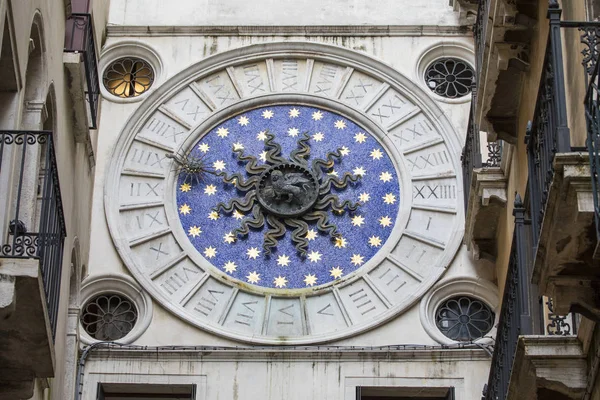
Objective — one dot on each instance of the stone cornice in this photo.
(290, 30)
(309, 354)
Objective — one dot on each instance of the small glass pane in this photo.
(464, 319)
(108, 317)
(449, 77)
(128, 77)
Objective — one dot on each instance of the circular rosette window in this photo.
(287, 196)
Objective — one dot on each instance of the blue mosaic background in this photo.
(284, 268)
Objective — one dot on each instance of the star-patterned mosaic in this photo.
(361, 232)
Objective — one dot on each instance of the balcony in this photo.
(563, 196)
(502, 31)
(485, 189)
(533, 360)
(82, 67)
(31, 248)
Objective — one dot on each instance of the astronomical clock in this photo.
(286, 194)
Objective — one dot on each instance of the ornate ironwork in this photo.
(80, 39)
(109, 317)
(548, 133)
(28, 236)
(449, 77)
(287, 193)
(464, 318)
(592, 114)
(515, 315)
(193, 168)
(479, 34)
(494, 154)
(128, 77)
(559, 325)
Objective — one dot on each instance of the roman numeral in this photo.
(246, 316)
(285, 311)
(435, 191)
(290, 75)
(176, 280)
(432, 159)
(361, 301)
(144, 157)
(410, 133)
(207, 304)
(219, 89)
(253, 78)
(392, 280)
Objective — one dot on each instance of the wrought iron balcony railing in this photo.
(515, 315)
(31, 207)
(479, 33)
(79, 38)
(592, 114)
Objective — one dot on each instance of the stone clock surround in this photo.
(303, 51)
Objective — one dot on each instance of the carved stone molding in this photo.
(548, 365)
(487, 202)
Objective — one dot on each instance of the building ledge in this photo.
(487, 202)
(548, 367)
(564, 267)
(26, 344)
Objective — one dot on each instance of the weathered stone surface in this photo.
(26, 346)
(565, 268)
(487, 202)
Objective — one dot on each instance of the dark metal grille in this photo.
(548, 133)
(515, 315)
(109, 317)
(464, 318)
(79, 38)
(128, 77)
(479, 33)
(36, 227)
(449, 77)
(471, 155)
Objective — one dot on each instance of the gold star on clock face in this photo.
(243, 121)
(210, 190)
(253, 277)
(230, 267)
(222, 132)
(210, 252)
(357, 259)
(340, 242)
(317, 115)
(219, 165)
(360, 137)
(213, 216)
(203, 147)
(238, 146)
(336, 272)
(311, 234)
(186, 187)
(374, 241)
(263, 156)
(310, 279)
(364, 197)
(317, 137)
(344, 151)
(332, 173)
(283, 260)
(376, 154)
(293, 132)
(253, 253)
(358, 220)
(314, 256)
(359, 171)
(229, 238)
(185, 209)
(389, 198)
(294, 113)
(280, 281)
(194, 231)
(340, 124)
(267, 114)
(237, 215)
(385, 177)
(262, 136)
(385, 221)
